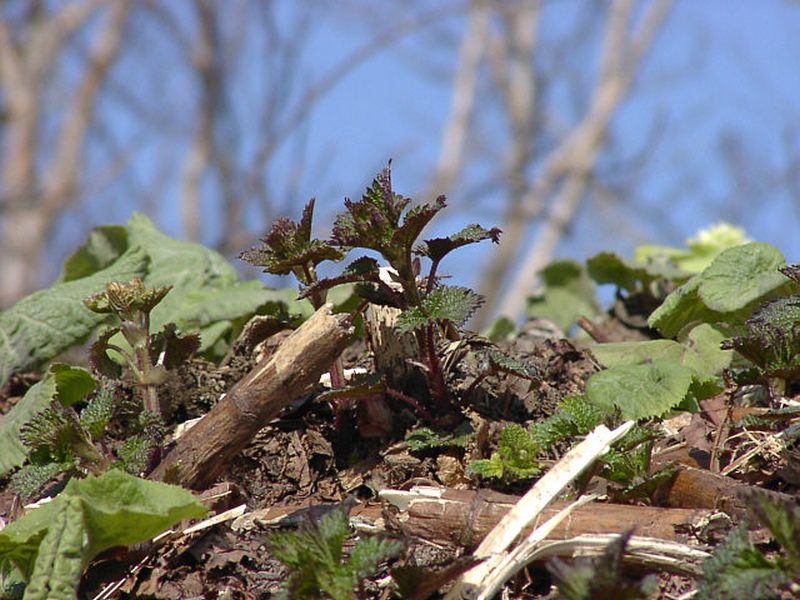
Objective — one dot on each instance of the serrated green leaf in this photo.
(424, 438)
(437, 248)
(369, 553)
(372, 221)
(487, 468)
(449, 303)
(39, 397)
(414, 222)
(288, 248)
(641, 391)
(97, 413)
(782, 518)
(44, 324)
(737, 570)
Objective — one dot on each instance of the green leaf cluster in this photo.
(207, 295)
(425, 438)
(520, 449)
(41, 417)
(516, 458)
(315, 557)
(52, 545)
(738, 569)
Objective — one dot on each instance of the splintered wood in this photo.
(206, 449)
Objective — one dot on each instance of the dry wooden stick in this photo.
(205, 450)
(464, 517)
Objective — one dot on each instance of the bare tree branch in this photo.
(564, 176)
(34, 194)
(473, 47)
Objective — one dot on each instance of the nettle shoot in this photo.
(382, 222)
(147, 356)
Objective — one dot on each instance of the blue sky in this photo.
(719, 67)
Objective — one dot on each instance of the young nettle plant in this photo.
(149, 355)
(381, 222)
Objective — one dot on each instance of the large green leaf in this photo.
(740, 275)
(44, 324)
(633, 353)
(103, 246)
(568, 294)
(114, 509)
(59, 561)
(206, 287)
(727, 291)
(643, 390)
(70, 384)
(700, 351)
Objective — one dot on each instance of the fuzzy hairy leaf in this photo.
(738, 570)
(773, 339)
(444, 303)
(126, 299)
(117, 510)
(97, 413)
(437, 248)
(500, 361)
(30, 479)
(576, 416)
(59, 562)
(56, 434)
(288, 248)
(59, 379)
(515, 459)
(374, 222)
(371, 222)
(134, 453)
(425, 438)
(782, 518)
(369, 553)
(313, 555)
(45, 323)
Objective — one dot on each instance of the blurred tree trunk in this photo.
(40, 172)
(546, 175)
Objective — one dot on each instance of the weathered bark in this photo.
(696, 487)
(464, 517)
(205, 450)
